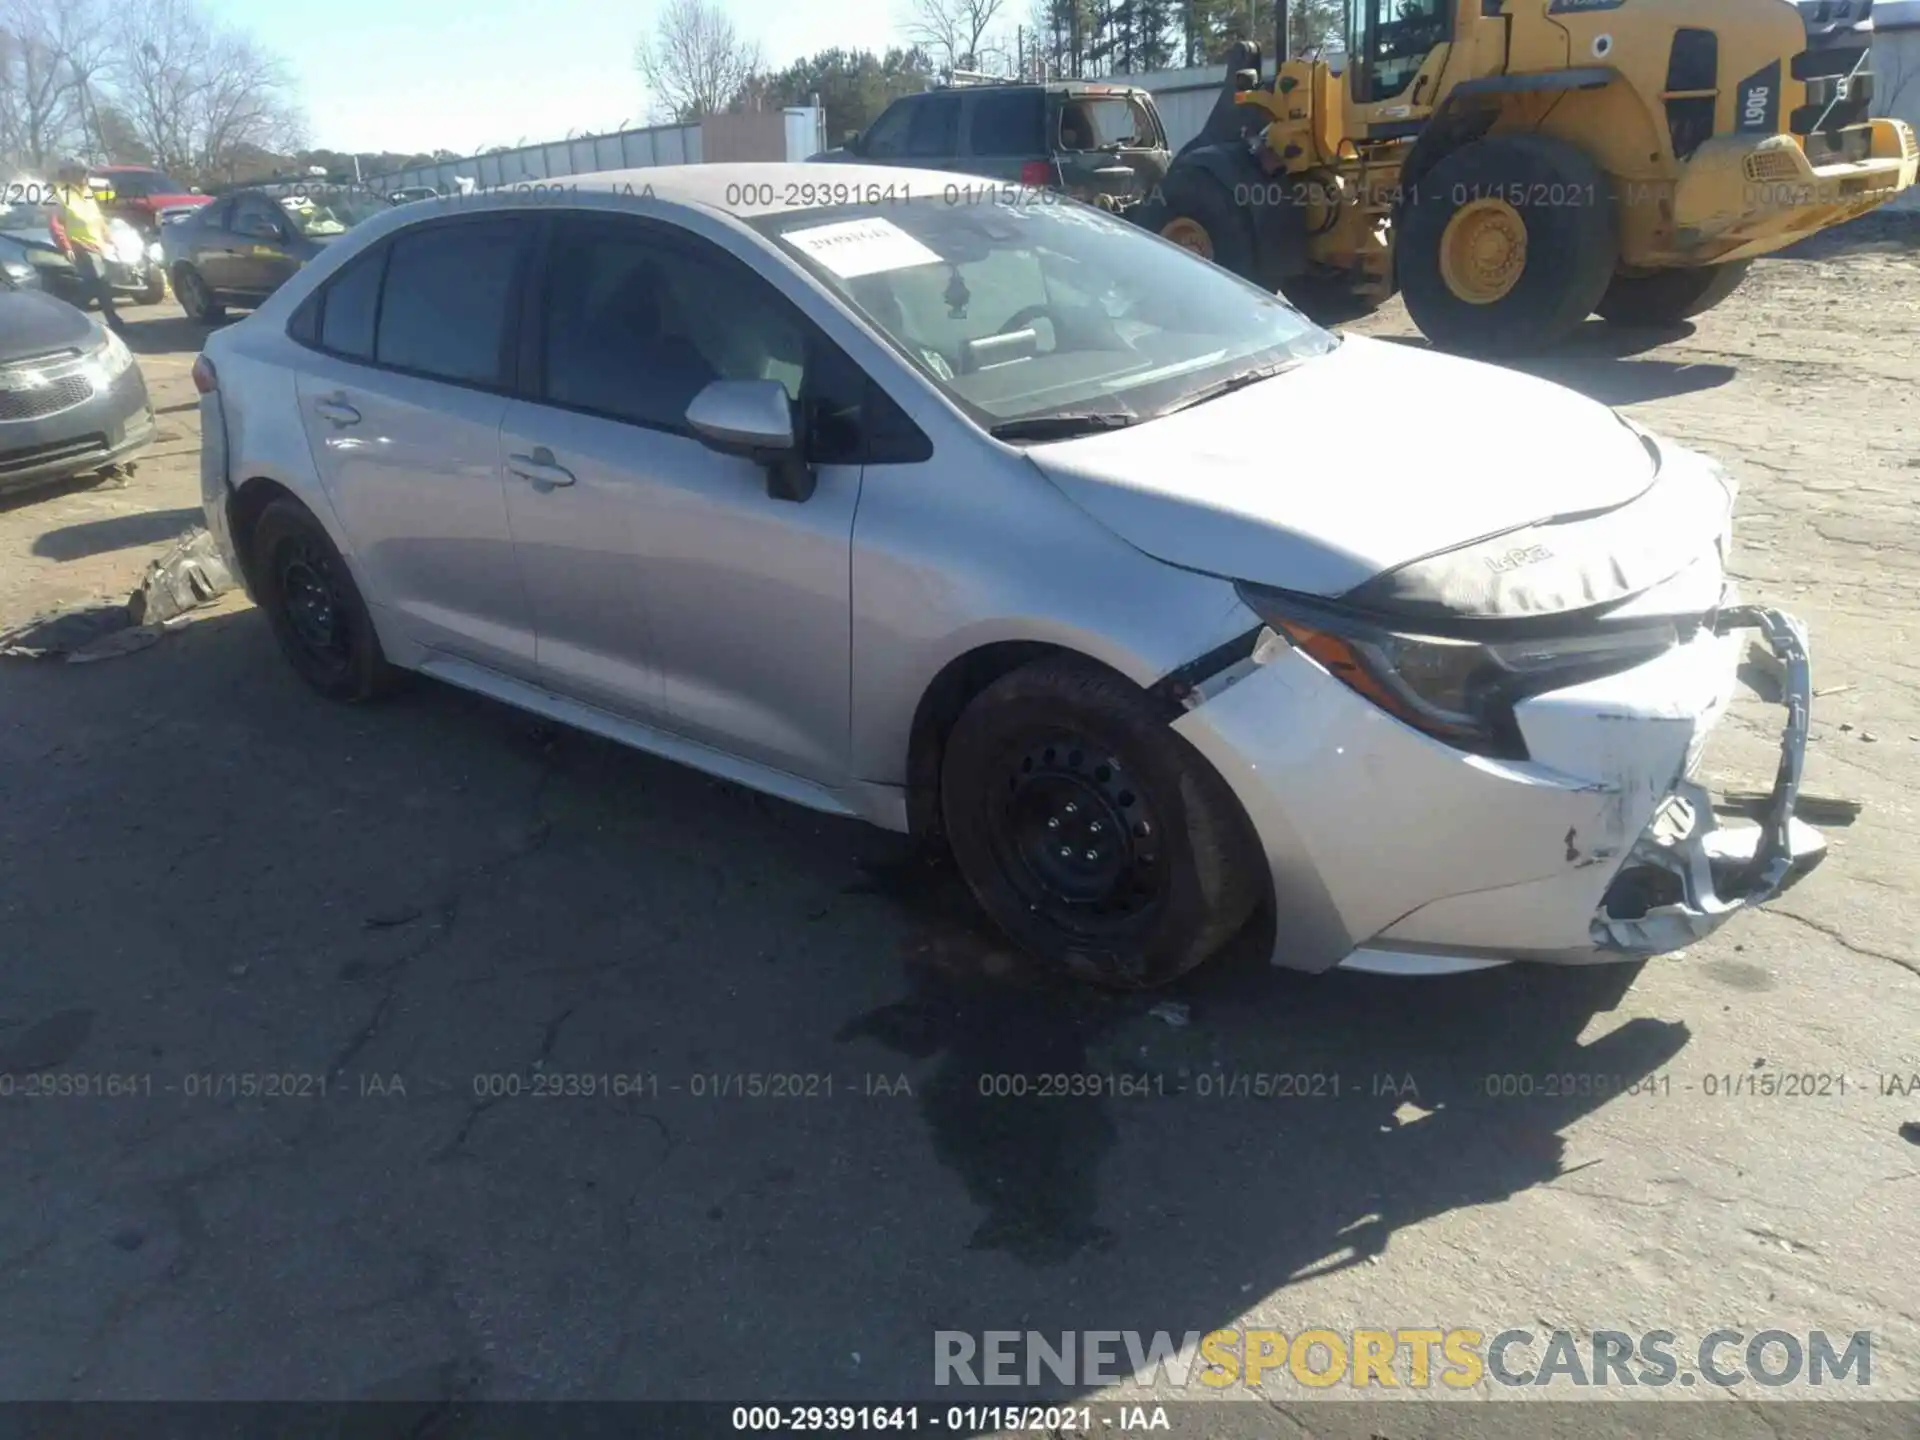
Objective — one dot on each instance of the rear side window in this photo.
(935, 127)
(1093, 123)
(448, 294)
(351, 306)
(1009, 122)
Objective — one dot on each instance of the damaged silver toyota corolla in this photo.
(993, 517)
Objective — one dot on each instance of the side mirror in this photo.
(754, 420)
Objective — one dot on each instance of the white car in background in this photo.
(984, 514)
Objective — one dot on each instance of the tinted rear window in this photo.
(353, 301)
(1009, 123)
(447, 295)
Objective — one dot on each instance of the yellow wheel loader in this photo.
(1512, 166)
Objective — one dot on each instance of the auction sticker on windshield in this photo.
(853, 248)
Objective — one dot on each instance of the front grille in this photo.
(79, 448)
(40, 400)
(1771, 167)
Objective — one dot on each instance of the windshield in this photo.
(1043, 307)
(335, 215)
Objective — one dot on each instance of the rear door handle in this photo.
(540, 468)
(338, 411)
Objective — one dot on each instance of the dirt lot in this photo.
(205, 873)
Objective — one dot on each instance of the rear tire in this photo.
(1196, 212)
(307, 591)
(1506, 245)
(1097, 840)
(1667, 297)
(195, 296)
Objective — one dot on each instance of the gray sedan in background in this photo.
(240, 248)
(987, 515)
(72, 400)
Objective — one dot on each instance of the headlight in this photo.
(154, 252)
(18, 271)
(1461, 691)
(128, 247)
(115, 358)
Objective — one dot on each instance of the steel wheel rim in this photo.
(1483, 251)
(1076, 834)
(310, 598)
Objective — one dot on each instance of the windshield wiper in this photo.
(1060, 427)
(1226, 387)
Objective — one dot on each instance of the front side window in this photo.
(255, 217)
(1021, 311)
(447, 301)
(638, 323)
(888, 135)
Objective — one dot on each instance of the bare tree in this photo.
(201, 99)
(51, 55)
(955, 31)
(695, 63)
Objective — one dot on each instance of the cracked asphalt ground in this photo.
(207, 875)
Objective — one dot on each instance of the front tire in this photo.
(315, 609)
(1506, 245)
(1094, 837)
(156, 289)
(1666, 297)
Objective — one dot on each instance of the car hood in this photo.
(1368, 458)
(33, 324)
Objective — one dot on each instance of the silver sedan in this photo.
(978, 513)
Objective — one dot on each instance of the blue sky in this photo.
(468, 74)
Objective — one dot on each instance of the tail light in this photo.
(1036, 173)
(204, 378)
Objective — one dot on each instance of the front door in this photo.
(402, 401)
(664, 581)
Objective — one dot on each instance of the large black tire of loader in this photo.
(1328, 300)
(1566, 207)
(1667, 297)
(1195, 197)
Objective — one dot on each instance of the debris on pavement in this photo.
(1814, 809)
(191, 574)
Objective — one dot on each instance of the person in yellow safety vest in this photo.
(85, 227)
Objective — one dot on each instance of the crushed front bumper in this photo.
(1389, 849)
(1688, 873)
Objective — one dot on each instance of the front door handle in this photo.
(338, 411)
(540, 468)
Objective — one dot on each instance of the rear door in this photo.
(1006, 134)
(665, 582)
(1109, 141)
(402, 395)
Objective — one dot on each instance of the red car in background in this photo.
(139, 193)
